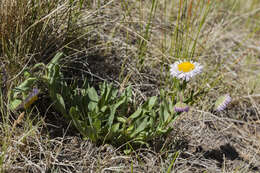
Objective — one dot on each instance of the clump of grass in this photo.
(32, 31)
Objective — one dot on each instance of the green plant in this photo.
(110, 116)
(17, 96)
(106, 115)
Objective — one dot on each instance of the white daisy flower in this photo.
(222, 102)
(185, 69)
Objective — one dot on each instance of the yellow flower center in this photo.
(185, 66)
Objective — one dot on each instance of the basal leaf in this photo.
(61, 105)
(91, 133)
(104, 108)
(92, 94)
(121, 119)
(15, 104)
(54, 61)
(136, 114)
(74, 115)
(113, 109)
(92, 106)
(97, 125)
(166, 115)
(61, 101)
(130, 128)
(140, 128)
(170, 105)
(115, 128)
(24, 86)
(152, 102)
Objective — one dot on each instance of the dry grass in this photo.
(102, 41)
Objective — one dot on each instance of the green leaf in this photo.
(38, 65)
(74, 114)
(115, 128)
(92, 94)
(151, 122)
(54, 76)
(91, 115)
(54, 61)
(140, 128)
(166, 116)
(108, 92)
(128, 93)
(162, 93)
(113, 94)
(104, 108)
(61, 105)
(92, 106)
(161, 111)
(27, 74)
(121, 119)
(152, 102)
(25, 86)
(170, 106)
(15, 104)
(130, 128)
(97, 125)
(136, 114)
(91, 133)
(103, 91)
(61, 101)
(113, 109)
